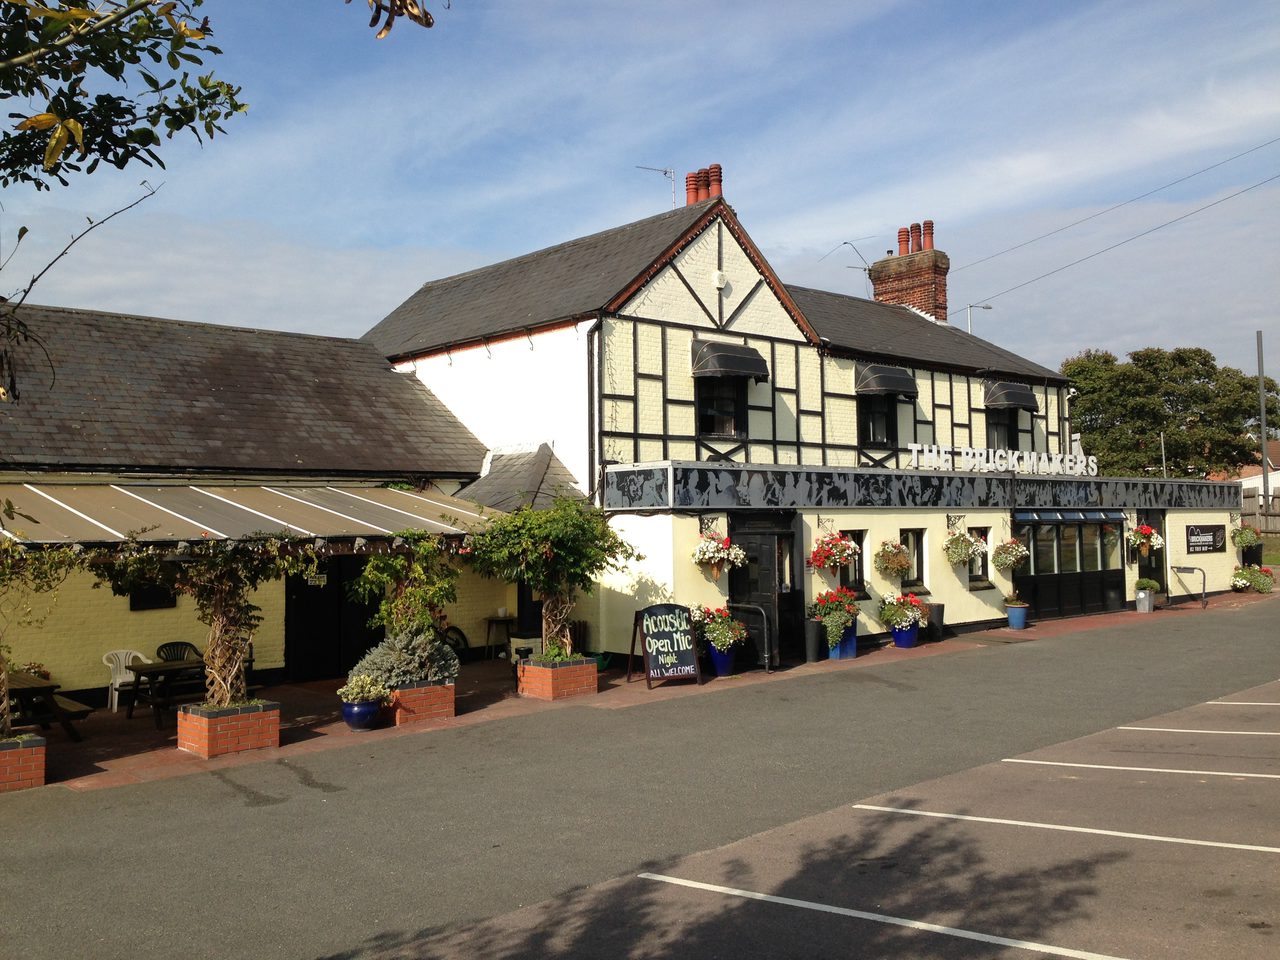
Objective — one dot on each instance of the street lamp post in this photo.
(968, 313)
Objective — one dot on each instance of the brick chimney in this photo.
(917, 276)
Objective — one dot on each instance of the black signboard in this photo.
(665, 633)
(1207, 538)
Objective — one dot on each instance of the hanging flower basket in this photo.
(717, 552)
(961, 547)
(831, 552)
(1009, 555)
(1144, 539)
(1245, 536)
(893, 560)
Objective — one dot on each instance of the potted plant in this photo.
(837, 611)
(903, 616)
(1009, 554)
(1250, 577)
(419, 672)
(557, 552)
(960, 547)
(722, 633)
(1249, 541)
(831, 552)
(714, 552)
(1144, 539)
(1016, 609)
(362, 700)
(1145, 595)
(892, 560)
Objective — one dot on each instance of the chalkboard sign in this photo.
(665, 633)
(1207, 538)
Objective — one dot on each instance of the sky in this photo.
(365, 168)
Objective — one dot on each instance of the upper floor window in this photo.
(878, 420)
(1002, 429)
(722, 406)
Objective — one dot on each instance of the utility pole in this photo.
(1265, 506)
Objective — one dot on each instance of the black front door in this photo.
(1151, 566)
(325, 631)
(764, 592)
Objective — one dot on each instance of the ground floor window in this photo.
(854, 576)
(913, 540)
(979, 571)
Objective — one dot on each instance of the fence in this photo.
(1250, 513)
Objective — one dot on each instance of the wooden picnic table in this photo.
(38, 705)
(166, 684)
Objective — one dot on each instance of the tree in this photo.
(220, 576)
(411, 584)
(24, 572)
(104, 79)
(1202, 409)
(557, 552)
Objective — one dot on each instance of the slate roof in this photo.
(522, 479)
(131, 393)
(892, 332)
(567, 280)
(580, 277)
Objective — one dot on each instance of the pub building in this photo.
(686, 388)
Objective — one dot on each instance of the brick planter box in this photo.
(21, 763)
(557, 679)
(429, 700)
(210, 732)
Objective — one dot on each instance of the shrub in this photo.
(408, 658)
(361, 688)
(1146, 583)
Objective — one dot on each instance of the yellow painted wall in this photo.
(83, 623)
(1217, 566)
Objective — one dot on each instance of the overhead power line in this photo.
(1136, 236)
(1143, 196)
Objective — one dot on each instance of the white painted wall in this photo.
(519, 393)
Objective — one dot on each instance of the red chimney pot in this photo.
(704, 184)
(904, 238)
(690, 188)
(716, 177)
(915, 238)
(928, 234)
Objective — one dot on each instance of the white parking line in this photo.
(1225, 733)
(1243, 703)
(881, 918)
(906, 811)
(1106, 766)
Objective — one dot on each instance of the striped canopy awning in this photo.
(51, 513)
(1068, 516)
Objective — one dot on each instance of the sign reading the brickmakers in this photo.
(665, 632)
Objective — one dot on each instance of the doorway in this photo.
(325, 631)
(1151, 566)
(766, 586)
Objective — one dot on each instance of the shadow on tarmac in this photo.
(934, 874)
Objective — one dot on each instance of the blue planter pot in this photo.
(1017, 617)
(361, 716)
(721, 661)
(905, 636)
(847, 648)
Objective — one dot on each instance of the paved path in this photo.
(426, 846)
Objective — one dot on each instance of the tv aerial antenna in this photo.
(667, 172)
(850, 244)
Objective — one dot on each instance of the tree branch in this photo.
(74, 35)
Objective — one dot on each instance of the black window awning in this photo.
(1068, 516)
(872, 378)
(1001, 395)
(713, 359)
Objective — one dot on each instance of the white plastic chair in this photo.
(118, 660)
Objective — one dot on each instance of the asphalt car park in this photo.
(1159, 838)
